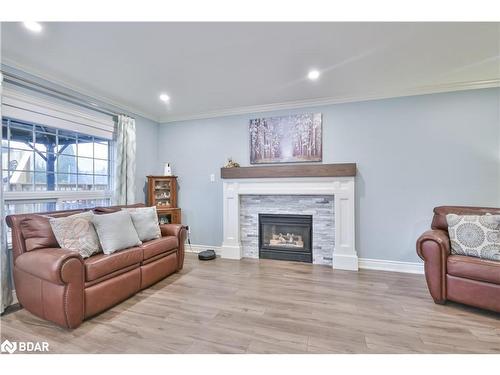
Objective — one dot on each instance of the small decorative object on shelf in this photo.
(162, 193)
(167, 170)
(231, 164)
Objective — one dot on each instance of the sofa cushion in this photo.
(38, 233)
(159, 246)
(76, 233)
(101, 264)
(116, 231)
(474, 268)
(475, 235)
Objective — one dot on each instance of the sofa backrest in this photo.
(19, 242)
(15, 222)
(439, 219)
(111, 209)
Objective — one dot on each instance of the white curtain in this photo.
(5, 282)
(125, 161)
(5, 279)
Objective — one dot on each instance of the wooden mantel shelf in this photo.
(296, 170)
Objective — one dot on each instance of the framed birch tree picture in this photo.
(286, 139)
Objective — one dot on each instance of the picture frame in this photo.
(293, 138)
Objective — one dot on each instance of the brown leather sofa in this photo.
(463, 279)
(60, 286)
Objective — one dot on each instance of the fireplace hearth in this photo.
(285, 237)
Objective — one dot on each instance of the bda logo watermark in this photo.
(24, 346)
(8, 347)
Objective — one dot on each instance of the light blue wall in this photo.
(147, 152)
(412, 153)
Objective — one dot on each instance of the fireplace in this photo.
(285, 237)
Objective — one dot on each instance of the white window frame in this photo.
(31, 109)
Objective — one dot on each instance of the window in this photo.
(45, 168)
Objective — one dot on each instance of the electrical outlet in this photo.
(212, 178)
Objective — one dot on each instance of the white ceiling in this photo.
(216, 68)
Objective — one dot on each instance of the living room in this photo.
(250, 187)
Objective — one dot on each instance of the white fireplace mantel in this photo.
(342, 188)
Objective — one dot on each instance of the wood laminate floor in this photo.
(267, 306)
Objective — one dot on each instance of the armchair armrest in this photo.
(50, 264)
(180, 232)
(433, 247)
(439, 237)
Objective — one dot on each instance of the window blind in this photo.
(27, 107)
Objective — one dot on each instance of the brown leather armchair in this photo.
(60, 286)
(463, 279)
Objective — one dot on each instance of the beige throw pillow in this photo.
(76, 233)
(475, 235)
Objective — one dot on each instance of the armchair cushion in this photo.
(474, 268)
(47, 264)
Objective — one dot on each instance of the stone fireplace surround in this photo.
(342, 188)
(320, 207)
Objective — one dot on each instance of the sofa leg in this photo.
(440, 301)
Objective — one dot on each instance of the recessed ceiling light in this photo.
(164, 98)
(313, 75)
(33, 26)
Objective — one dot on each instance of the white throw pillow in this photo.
(475, 235)
(116, 231)
(76, 233)
(145, 221)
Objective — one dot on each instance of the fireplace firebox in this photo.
(285, 237)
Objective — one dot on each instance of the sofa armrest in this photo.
(433, 247)
(179, 231)
(50, 264)
(50, 284)
(171, 229)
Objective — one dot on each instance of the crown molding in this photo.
(78, 90)
(421, 90)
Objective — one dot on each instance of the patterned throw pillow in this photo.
(475, 235)
(77, 233)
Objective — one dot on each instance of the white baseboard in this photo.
(345, 262)
(364, 263)
(199, 248)
(391, 265)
